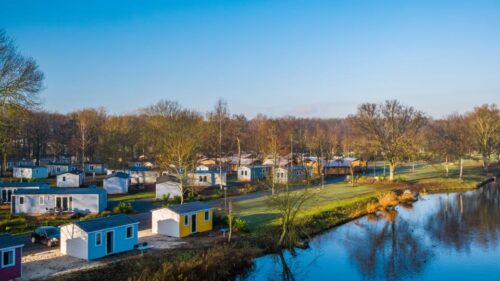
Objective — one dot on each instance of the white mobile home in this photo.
(207, 178)
(70, 179)
(30, 172)
(97, 168)
(291, 174)
(60, 168)
(8, 188)
(167, 184)
(100, 237)
(253, 173)
(141, 175)
(116, 183)
(40, 201)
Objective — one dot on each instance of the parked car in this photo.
(48, 235)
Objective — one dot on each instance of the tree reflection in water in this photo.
(466, 218)
(387, 250)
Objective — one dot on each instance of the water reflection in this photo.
(389, 250)
(466, 219)
(427, 241)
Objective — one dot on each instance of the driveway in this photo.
(50, 263)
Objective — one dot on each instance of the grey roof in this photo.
(137, 169)
(60, 191)
(167, 178)
(189, 207)
(119, 174)
(105, 222)
(22, 184)
(30, 167)
(74, 172)
(7, 241)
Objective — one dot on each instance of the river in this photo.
(451, 236)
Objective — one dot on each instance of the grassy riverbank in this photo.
(332, 205)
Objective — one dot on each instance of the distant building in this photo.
(10, 258)
(342, 166)
(30, 172)
(40, 201)
(292, 174)
(8, 188)
(70, 179)
(97, 168)
(141, 175)
(207, 178)
(116, 183)
(60, 168)
(167, 184)
(182, 220)
(100, 237)
(253, 173)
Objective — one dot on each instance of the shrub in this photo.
(176, 200)
(407, 196)
(240, 224)
(372, 207)
(123, 208)
(387, 200)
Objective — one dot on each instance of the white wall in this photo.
(69, 180)
(74, 241)
(165, 222)
(165, 188)
(115, 185)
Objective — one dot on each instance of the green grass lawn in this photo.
(258, 213)
(132, 197)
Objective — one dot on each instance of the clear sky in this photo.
(304, 58)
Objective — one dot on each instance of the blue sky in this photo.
(305, 58)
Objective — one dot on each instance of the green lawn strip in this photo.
(259, 215)
(132, 197)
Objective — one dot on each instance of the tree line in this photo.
(176, 137)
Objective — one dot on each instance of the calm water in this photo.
(441, 237)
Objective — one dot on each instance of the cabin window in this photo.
(8, 258)
(205, 178)
(21, 200)
(242, 173)
(98, 239)
(40, 200)
(201, 179)
(130, 232)
(207, 215)
(186, 220)
(246, 174)
(64, 178)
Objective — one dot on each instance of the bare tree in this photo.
(484, 122)
(180, 143)
(20, 83)
(392, 126)
(289, 205)
(88, 125)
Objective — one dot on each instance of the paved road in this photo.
(144, 207)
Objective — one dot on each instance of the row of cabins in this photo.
(100, 237)
(55, 169)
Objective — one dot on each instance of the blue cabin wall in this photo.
(121, 243)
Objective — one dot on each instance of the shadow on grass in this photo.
(257, 220)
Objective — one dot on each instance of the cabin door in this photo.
(9, 195)
(13, 204)
(193, 223)
(109, 242)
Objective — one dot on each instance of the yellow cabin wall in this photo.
(201, 224)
